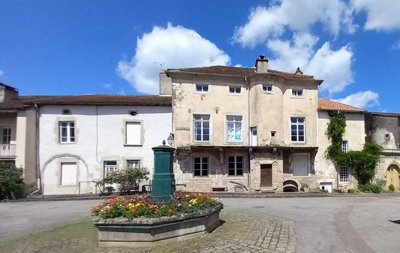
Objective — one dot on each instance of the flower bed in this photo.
(137, 219)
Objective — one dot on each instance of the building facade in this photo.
(251, 129)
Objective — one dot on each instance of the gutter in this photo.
(38, 174)
(248, 133)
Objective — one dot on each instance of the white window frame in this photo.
(202, 87)
(269, 88)
(202, 120)
(203, 161)
(7, 135)
(129, 162)
(345, 146)
(236, 124)
(70, 134)
(343, 174)
(235, 164)
(110, 168)
(297, 92)
(235, 90)
(140, 141)
(297, 124)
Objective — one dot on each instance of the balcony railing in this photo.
(7, 150)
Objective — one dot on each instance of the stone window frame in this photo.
(297, 92)
(202, 121)
(267, 91)
(235, 90)
(235, 163)
(343, 174)
(201, 170)
(345, 146)
(68, 136)
(140, 122)
(106, 172)
(227, 140)
(297, 129)
(202, 85)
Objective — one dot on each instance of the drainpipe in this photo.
(248, 133)
(38, 174)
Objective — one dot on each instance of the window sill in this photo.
(298, 97)
(66, 143)
(133, 145)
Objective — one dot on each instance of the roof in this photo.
(7, 86)
(385, 114)
(329, 105)
(98, 99)
(239, 72)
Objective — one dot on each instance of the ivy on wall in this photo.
(363, 162)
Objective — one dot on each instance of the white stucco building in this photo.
(82, 138)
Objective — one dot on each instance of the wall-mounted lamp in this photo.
(170, 139)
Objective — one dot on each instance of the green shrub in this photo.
(127, 179)
(371, 187)
(11, 182)
(391, 188)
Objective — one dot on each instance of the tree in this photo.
(127, 179)
(11, 182)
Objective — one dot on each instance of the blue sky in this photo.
(83, 47)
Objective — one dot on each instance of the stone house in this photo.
(252, 129)
(384, 129)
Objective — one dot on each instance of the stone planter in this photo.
(141, 231)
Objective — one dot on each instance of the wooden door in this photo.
(392, 177)
(266, 175)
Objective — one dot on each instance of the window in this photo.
(267, 88)
(234, 128)
(345, 146)
(343, 174)
(201, 127)
(297, 129)
(202, 87)
(133, 133)
(133, 164)
(6, 136)
(67, 131)
(235, 165)
(297, 92)
(110, 167)
(68, 173)
(201, 166)
(235, 89)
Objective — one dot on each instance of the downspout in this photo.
(248, 133)
(37, 146)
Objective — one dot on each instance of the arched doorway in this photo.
(392, 177)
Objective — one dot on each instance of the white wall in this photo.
(100, 136)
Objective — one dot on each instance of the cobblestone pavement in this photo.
(242, 232)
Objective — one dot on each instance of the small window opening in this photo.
(66, 112)
(273, 133)
(133, 113)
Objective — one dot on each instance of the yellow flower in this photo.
(193, 201)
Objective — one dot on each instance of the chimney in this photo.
(262, 64)
(165, 84)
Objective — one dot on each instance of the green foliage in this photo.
(391, 188)
(127, 179)
(370, 187)
(363, 162)
(11, 182)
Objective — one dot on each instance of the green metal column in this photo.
(163, 184)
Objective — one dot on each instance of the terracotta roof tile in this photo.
(328, 105)
(239, 71)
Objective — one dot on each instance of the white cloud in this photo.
(362, 99)
(173, 47)
(381, 15)
(299, 16)
(333, 66)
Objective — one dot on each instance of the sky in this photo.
(71, 47)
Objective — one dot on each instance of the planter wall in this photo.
(155, 230)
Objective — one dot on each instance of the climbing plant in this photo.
(363, 162)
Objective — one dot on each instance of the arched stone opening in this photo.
(290, 186)
(393, 177)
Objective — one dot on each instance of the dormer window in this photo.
(201, 87)
(235, 89)
(267, 88)
(297, 92)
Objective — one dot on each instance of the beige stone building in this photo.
(253, 129)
